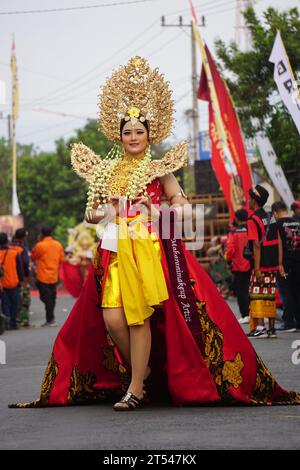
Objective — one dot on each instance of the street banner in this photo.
(273, 169)
(15, 82)
(285, 79)
(228, 156)
(14, 114)
(235, 185)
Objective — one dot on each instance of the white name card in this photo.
(110, 237)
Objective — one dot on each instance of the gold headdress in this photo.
(135, 92)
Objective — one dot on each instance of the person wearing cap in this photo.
(18, 244)
(295, 207)
(48, 254)
(289, 286)
(267, 258)
(10, 262)
(241, 268)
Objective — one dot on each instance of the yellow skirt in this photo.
(112, 295)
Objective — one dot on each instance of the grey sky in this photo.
(64, 57)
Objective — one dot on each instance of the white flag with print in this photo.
(273, 169)
(285, 80)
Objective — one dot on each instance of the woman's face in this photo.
(134, 138)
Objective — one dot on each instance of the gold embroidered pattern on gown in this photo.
(224, 373)
(81, 389)
(229, 372)
(232, 371)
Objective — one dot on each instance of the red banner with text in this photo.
(235, 185)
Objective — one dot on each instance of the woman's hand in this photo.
(259, 276)
(147, 202)
(282, 272)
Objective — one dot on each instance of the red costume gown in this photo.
(202, 356)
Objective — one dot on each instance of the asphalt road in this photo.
(153, 427)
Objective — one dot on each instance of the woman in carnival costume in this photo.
(148, 317)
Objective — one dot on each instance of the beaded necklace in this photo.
(120, 175)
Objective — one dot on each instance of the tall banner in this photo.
(273, 169)
(14, 115)
(15, 82)
(235, 184)
(285, 79)
(228, 151)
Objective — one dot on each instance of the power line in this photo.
(86, 7)
(220, 11)
(53, 100)
(75, 87)
(202, 6)
(74, 83)
(183, 96)
(48, 128)
(51, 77)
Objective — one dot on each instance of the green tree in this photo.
(61, 230)
(49, 191)
(249, 76)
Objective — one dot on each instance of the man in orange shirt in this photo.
(11, 268)
(48, 254)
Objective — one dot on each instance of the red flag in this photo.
(235, 187)
(193, 12)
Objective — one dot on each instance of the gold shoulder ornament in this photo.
(174, 159)
(84, 160)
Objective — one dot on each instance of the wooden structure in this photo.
(215, 226)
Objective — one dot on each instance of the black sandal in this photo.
(128, 403)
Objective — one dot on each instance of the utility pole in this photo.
(9, 128)
(8, 117)
(242, 5)
(195, 113)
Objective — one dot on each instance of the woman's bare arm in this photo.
(176, 196)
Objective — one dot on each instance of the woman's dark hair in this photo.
(145, 124)
(241, 215)
(279, 206)
(3, 238)
(46, 231)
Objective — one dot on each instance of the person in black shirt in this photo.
(264, 236)
(295, 207)
(19, 244)
(289, 286)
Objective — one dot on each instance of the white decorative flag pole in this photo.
(285, 79)
(273, 169)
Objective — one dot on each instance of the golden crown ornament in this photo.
(135, 92)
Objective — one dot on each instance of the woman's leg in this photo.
(140, 346)
(116, 325)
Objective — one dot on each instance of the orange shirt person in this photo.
(48, 254)
(10, 279)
